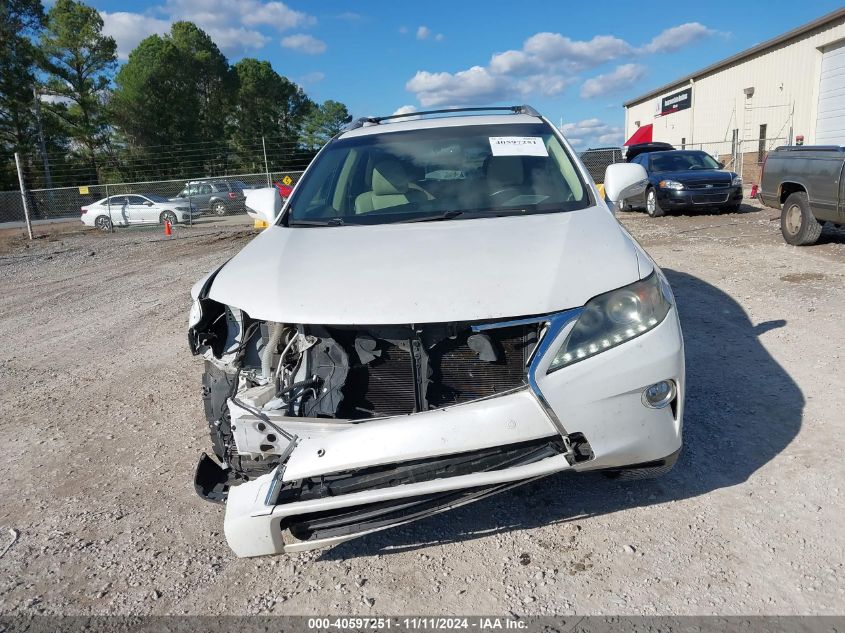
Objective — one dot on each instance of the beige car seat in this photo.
(390, 188)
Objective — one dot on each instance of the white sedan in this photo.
(126, 209)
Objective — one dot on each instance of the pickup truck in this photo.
(807, 184)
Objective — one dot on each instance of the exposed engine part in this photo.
(274, 335)
(343, 372)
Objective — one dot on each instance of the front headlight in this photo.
(613, 318)
(195, 314)
(737, 181)
(671, 184)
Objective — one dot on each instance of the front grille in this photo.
(715, 198)
(707, 184)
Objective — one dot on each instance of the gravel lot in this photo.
(103, 426)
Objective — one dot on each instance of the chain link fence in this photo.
(66, 202)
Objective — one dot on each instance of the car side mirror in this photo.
(623, 180)
(148, 203)
(266, 202)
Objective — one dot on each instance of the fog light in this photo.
(659, 394)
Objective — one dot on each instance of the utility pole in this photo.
(23, 195)
(42, 146)
(266, 164)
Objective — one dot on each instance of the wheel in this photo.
(652, 206)
(219, 208)
(624, 206)
(167, 216)
(797, 224)
(103, 223)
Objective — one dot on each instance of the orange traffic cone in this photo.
(167, 229)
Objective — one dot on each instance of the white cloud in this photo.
(475, 84)
(45, 98)
(424, 33)
(304, 43)
(128, 29)
(546, 65)
(619, 78)
(676, 37)
(592, 133)
(406, 109)
(232, 24)
(276, 14)
(555, 48)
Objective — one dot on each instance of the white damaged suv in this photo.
(443, 309)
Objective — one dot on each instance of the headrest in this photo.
(389, 178)
(505, 170)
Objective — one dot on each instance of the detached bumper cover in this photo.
(345, 480)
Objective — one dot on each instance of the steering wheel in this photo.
(502, 191)
(413, 185)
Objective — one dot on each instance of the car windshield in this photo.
(439, 173)
(155, 197)
(680, 161)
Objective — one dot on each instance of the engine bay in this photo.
(266, 383)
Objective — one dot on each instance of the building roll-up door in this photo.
(830, 121)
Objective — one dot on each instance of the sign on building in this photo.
(676, 102)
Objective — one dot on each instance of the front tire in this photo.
(219, 208)
(103, 223)
(652, 206)
(168, 216)
(797, 224)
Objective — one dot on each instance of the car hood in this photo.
(429, 272)
(714, 176)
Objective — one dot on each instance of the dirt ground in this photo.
(102, 427)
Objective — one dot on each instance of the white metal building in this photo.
(786, 90)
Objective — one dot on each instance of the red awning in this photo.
(642, 135)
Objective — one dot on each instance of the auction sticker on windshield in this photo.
(518, 146)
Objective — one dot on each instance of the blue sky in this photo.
(574, 61)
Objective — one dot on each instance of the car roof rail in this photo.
(515, 109)
(810, 148)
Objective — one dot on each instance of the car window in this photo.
(204, 189)
(116, 200)
(220, 186)
(681, 161)
(136, 200)
(478, 170)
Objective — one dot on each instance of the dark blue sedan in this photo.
(685, 180)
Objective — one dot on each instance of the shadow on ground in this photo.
(742, 409)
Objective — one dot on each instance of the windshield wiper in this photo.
(326, 222)
(448, 215)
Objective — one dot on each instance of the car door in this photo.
(139, 210)
(204, 193)
(118, 210)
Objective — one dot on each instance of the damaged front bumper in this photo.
(344, 478)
